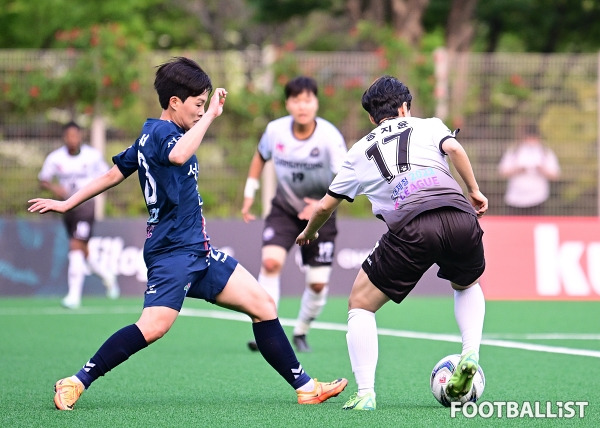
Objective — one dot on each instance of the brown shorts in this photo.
(448, 237)
(79, 222)
(282, 229)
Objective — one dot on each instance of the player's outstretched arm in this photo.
(323, 210)
(109, 179)
(461, 162)
(252, 185)
(56, 189)
(308, 209)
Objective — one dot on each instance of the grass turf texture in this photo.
(201, 373)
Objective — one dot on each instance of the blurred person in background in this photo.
(65, 171)
(307, 152)
(529, 166)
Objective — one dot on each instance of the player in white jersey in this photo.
(401, 167)
(66, 170)
(307, 152)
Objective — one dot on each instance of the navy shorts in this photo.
(449, 237)
(282, 229)
(172, 279)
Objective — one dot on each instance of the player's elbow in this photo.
(178, 157)
(324, 209)
(177, 160)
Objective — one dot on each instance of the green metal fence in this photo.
(490, 97)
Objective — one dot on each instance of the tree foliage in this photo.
(97, 73)
(284, 10)
(560, 25)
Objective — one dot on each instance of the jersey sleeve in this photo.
(164, 136)
(507, 160)
(48, 170)
(440, 133)
(551, 162)
(337, 150)
(265, 148)
(127, 160)
(345, 184)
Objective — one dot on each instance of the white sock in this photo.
(76, 379)
(308, 386)
(363, 348)
(108, 278)
(271, 285)
(469, 311)
(76, 275)
(311, 307)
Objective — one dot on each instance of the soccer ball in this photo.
(440, 375)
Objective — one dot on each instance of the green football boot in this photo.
(365, 402)
(462, 379)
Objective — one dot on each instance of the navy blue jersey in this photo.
(175, 224)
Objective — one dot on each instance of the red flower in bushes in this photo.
(516, 80)
(329, 90)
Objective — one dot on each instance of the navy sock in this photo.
(117, 348)
(275, 348)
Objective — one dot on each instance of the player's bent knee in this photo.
(360, 301)
(458, 287)
(153, 329)
(271, 266)
(318, 287)
(263, 311)
(153, 333)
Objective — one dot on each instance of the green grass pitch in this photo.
(201, 373)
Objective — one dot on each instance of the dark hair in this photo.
(180, 77)
(300, 84)
(71, 124)
(384, 97)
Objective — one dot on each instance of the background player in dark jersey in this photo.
(307, 152)
(401, 167)
(66, 170)
(181, 262)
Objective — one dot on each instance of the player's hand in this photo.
(217, 101)
(304, 239)
(246, 214)
(308, 208)
(45, 205)
(479, 202)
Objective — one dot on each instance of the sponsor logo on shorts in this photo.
(268, 234)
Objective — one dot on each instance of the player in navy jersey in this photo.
(180, 260)
(401, 167)
(307, 151)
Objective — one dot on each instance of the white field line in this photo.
(498, 340)
(405, 334)
(544, 336)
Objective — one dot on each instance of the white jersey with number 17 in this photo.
(401, 168)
